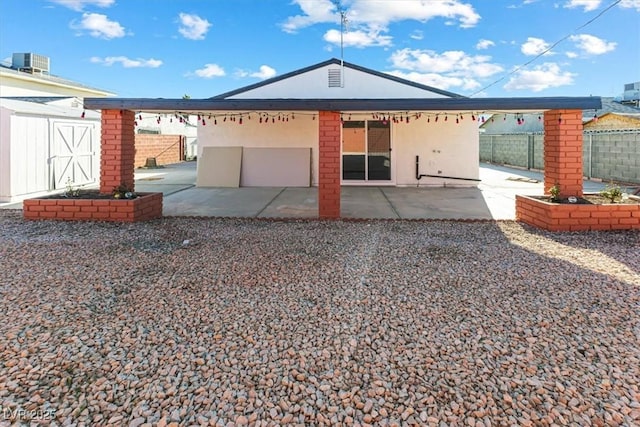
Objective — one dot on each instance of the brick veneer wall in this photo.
(117, 150)
(166, 149)
(566, 217)
(329, 158)
(563, 151)
(147, 206)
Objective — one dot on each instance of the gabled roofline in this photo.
(51, 80)
(379, 105)
(335, 61)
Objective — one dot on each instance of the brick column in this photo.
(563, 151)
(329, 152)
(117, 149)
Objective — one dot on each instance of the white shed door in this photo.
(72, 154)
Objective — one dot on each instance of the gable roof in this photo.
(39, 99)
(48, 79)
(337, 62)
(31, 108)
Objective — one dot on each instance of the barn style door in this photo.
(72, 154)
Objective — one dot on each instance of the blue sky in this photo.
(201, 48)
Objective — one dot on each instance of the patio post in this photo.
(117, 150)
(563, 151)
(329, 160)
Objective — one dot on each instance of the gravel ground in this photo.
(186, 321)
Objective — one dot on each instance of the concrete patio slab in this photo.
(366, 202)
(292, 202)
(438, 203)
(236, 202)
(493, 198)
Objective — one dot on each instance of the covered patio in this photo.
(562, 118)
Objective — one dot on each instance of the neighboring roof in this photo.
(500, 124)
(38, 99)
(610, 105)
(335, 61)
(46, 110)
(50, 79)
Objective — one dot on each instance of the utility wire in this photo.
(602, 12)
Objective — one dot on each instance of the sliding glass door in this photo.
(366, 151)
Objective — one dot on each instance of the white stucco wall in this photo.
(445, 148)
(301, 132)
(452, 149)
(315, 84)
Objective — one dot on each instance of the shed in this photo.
(45, 143)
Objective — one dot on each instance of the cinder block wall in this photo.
(166, 149)
(509, 149)
(614, 156)
(606, 155)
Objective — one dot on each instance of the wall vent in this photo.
(335, 77)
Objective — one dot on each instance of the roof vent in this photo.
(30, 63)
(335, 77)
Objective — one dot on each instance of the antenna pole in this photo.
(343, 20)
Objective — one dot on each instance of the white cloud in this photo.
(443, 70)
(417, 35)
(540, 78)
(484, 44)
(438, 81)
(314, 12)
(453, 61)
(385, 12)
(534, 46)
(358, 38)
(367, 20)
(630, 4)
(127, 62)
(592, 45)
(100, 26)
(587, 5)
(79, 5)
(193, 27)
(265, 72)
(209, 71)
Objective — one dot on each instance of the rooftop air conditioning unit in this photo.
(31, 63)
(631, 92)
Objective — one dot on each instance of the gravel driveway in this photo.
(186, 321)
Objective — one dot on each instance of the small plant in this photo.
(612, 192)
(123, 192)
(70, 190)
(555, 193)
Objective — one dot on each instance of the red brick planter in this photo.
(567, 217)
(145, 207)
